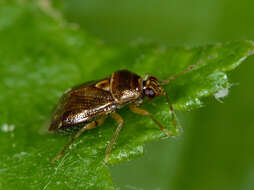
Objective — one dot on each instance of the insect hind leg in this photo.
(88, 126)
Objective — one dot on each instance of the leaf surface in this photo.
(41, 56)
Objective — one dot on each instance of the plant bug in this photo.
(86, 106)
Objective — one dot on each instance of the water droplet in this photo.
(221, 94)
(7, 128)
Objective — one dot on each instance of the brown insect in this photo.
(86, 106)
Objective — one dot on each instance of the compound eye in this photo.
(149, 93)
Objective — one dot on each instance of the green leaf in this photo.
(41, 56)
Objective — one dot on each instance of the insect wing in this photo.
(82, 104)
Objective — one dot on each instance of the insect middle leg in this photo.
(88, 126)
(119, 120)
(141, 111)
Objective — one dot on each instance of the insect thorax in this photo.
(125, 86)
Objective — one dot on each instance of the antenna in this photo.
(173, 77)
(188, 69)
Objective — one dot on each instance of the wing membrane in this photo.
(82, 104)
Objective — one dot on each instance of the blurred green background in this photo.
(215, 150)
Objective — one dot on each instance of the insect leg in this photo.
(119, 120)
(88, 126)
(173, 114)
(141, 111)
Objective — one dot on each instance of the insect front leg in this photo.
(141, 111)
(173, 114)
(88, 126)
(119, 120)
